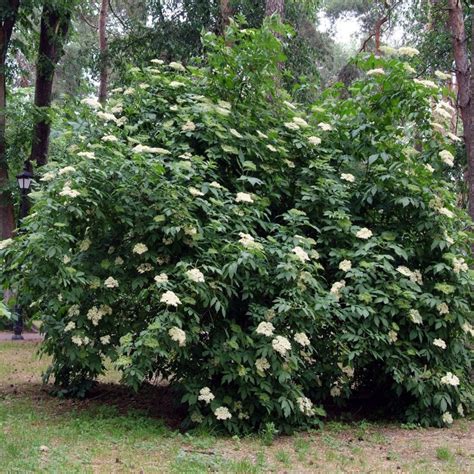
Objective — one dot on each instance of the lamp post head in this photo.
(24, 179)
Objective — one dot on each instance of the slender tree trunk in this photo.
(7, 22)
(275, 7)
(378, 32)
(226, 13)
(103, 47)
(54, 28)
(465, 83)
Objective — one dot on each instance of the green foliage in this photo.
(263, 259)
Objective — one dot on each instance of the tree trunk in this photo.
(226, 13)
(465, 83)
(103, 48)
(275, 7)
(378, 33)
(7, 22)
(54, 28)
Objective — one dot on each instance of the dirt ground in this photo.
(153, 442)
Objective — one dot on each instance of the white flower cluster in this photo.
(91, 102)
(107, 117)
(73, 311)
(195, 192)
(300, 122)
(468, 329)
(459, 265)
(265, 328)
(243, 197)
(66, 170)
(80, 341)
(189, 126)
(305, 406)
(96, 314)
(447, 418)
(222, 413)
(109, 138)
(415, 316)
(170, 298)
(302, 339)
(140, 249)
(150, 149)
(5, 243)
(177, 66)
(450, 379)
(426, 83)
(345, 265)
(314, 140)
(376, 72)
(87, 154)
(415, 276)
(301, 254)
(291, 125)
(70, 326)
(407, 51)
(111, 283)
(67, 191)
(348, 177)
(439, 343)
(248, 241)
(144, 268)
(405, 271)
(281, 345)
(195, 275)
(161, 278)
(447, 157)
(443, 308)
(206, 395)
(364, 233)
(337, 287)
(177, 335)
(105, 340)
(176, 84)
(392, 336)
(49, 176)
(325, 126)
(262, 364)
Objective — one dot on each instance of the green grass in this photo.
(40, 433)
(444, 454)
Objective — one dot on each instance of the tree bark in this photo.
(54, 28)
(103, 48)
(465, 83)
(226, 13)
(275, 7)
(378, 32)
(7, 22)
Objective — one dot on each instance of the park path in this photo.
(28, 336)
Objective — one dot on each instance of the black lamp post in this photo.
(24, 180)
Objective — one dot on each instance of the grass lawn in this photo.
(118, 431)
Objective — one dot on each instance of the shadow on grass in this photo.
(157, 402)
